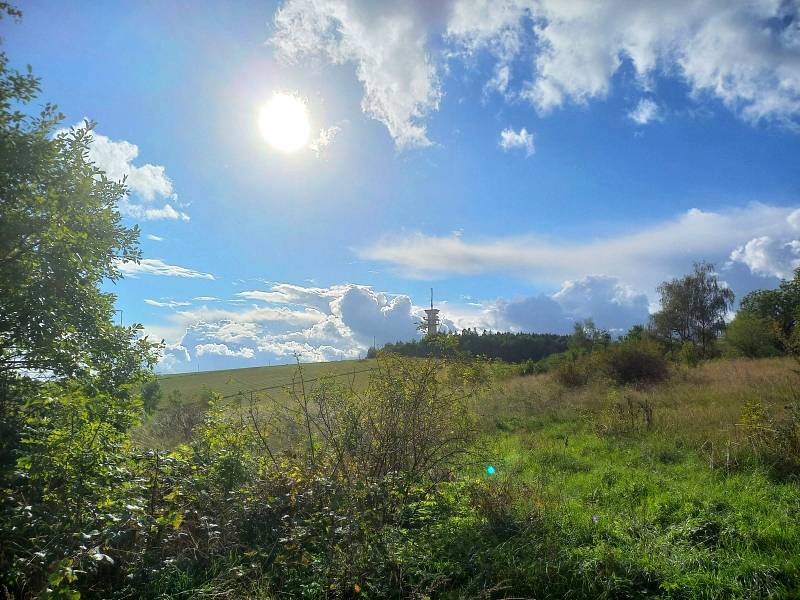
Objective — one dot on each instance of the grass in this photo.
(590, 498)
(231, 382)
(634, 511)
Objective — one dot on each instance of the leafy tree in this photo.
(506, 346)
(587, 337)
(780, 307)
(68, 374)
(693, 308)
(151, 395)
(60, 236)
(751, 335)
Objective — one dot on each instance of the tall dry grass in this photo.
(702, 406)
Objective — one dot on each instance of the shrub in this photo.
(750, 335)
(689, 355)
(151, 395)
(634, 362)
(571, 370)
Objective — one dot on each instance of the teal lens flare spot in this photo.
(490, 470)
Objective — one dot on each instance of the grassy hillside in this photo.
(231, 382)
(686, 489)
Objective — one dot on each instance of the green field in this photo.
(261, 380)
(589, 496)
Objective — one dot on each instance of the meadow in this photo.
(671, 491)
(274, 379)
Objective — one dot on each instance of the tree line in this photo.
(506, 346)
(692, 323)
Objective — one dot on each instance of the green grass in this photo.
(642, 512)
(231, 382)
(589, 502)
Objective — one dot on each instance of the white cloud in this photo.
(612, 304)
(206, 298)
(643, 258)
(174, 357)
(223, 350)
(324, 139)
(156, 266)
(551, 52)
(510, 140)
(147, 182)
(148, 213)
(768, 257)
(492, 25)
(341, 321)
(315, 323)
(743, 53)
(645, 112)
(794, 220)
(386, 43)
(165, 303)
(155, 238)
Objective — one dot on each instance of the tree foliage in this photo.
(61, 236)
(506, 346)
(780, 307)
(751, 335)
(693, 309)
(69, 376)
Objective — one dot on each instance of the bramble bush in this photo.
(310, 497)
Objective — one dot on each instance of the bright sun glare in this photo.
(284, 122)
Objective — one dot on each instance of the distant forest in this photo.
(509, 347)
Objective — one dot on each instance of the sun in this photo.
(283, 122)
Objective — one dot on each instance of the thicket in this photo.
(309, 497)
(506, 346)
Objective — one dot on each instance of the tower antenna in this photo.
(430, 324)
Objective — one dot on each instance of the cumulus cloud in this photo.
(341, 322)
(551, 52)
(387, 44)
(223, 350)
(522, 140)
(174, 357)
(611, 303)
(150, 213)
(155, 238)
(285, 320)
(645, 112)
(768, 257)
(156, 266)
(643, 258)
(147, 182)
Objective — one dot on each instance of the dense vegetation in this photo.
(643, 466)
(501, 345)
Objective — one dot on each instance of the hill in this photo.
(260, 380)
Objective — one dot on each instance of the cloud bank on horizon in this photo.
(343, 321)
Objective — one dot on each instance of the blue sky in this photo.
(534, 161)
